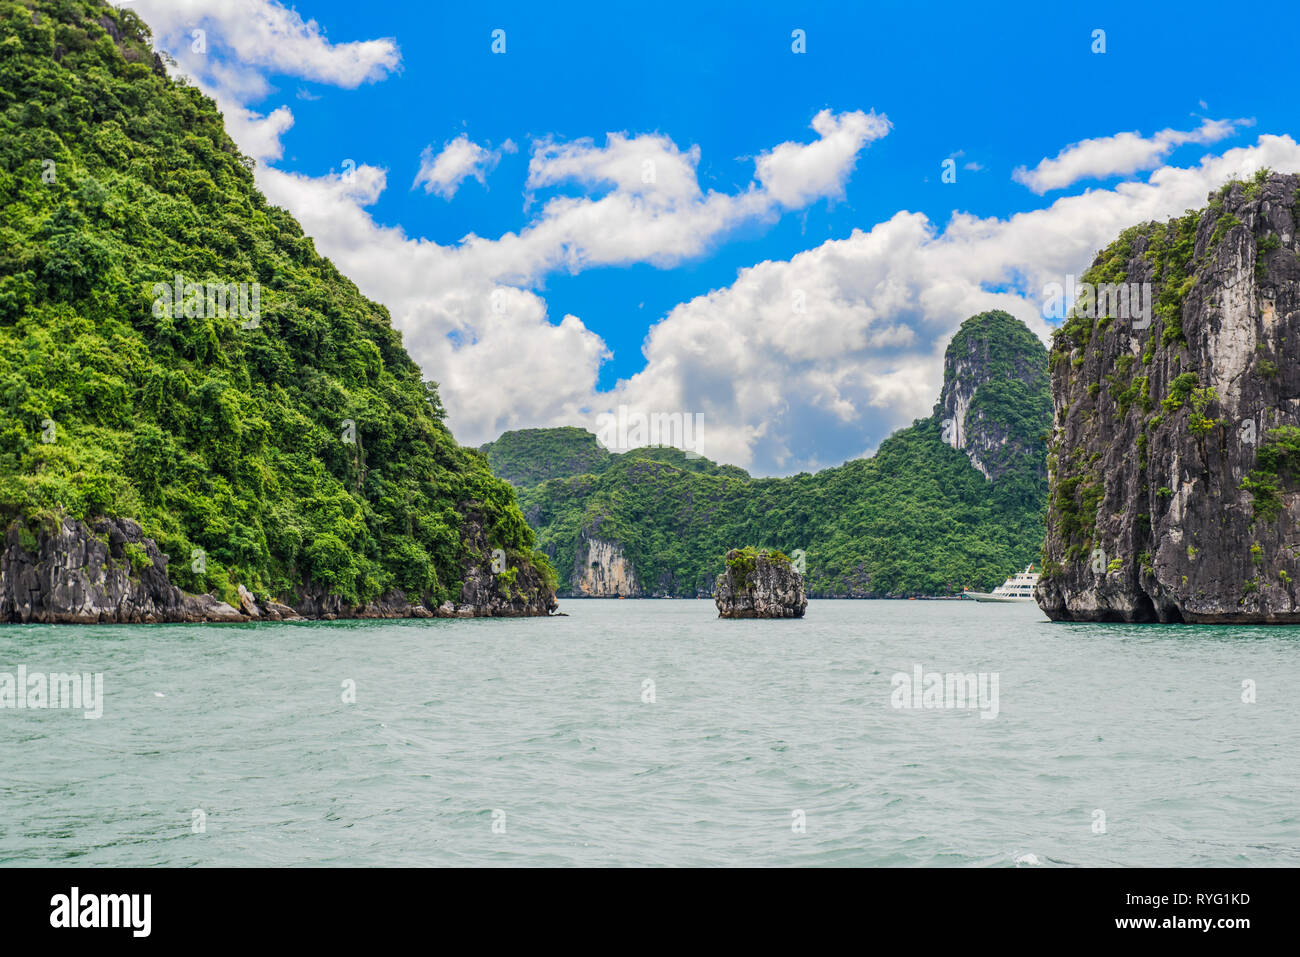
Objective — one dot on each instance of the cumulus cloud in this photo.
(649, 208)
(803, 363)
(798, 364)
(443, 172)
(794, 174)
(227, 47)
(264, 35)
(470, 312)
(1118, 155)
(500, 361)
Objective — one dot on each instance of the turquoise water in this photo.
(540, 726)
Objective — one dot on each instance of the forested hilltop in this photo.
(276, 436)
(954, 500)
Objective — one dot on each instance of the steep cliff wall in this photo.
(602, 570)
(1175, 458)
(72, 574)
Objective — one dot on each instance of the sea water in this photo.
(646, 732)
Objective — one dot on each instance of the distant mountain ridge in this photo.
(955, 499)
(529, 457)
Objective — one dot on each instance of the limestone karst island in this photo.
(708, 434)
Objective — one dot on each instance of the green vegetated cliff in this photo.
(292, 444)
(919, 517)
(1175, 451)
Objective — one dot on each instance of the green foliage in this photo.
(1014, 399)
(1277, 469)
(543, 564)
(1197, 422)
(1179, 391)
(743, 562)
(1136, 391)
(1262, 249)
(916, 518)
(1255, 185)
(213, 435)
(1170, 251)
(1074, 505)
(1221, 228)
(138, 557)
(530, 456)
(1172, 248)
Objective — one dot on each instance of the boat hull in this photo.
(986, 596)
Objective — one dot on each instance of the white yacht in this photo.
(1016, 588)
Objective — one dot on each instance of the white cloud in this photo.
(652, 209)
(500, 361)
(650, 166)
(783, 390)
(264, 35)
(257, 135)
(468, 311)
(443, 172)
(780, 389)
(1118, 155)
(795, 174)
(241, 41)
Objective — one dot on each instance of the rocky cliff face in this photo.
(71, 574)
(498, 584)
(994, 369)
(1175, 458)
(602, 570)
(759, 584)
(112, 573)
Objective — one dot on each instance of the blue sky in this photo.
(994, 90)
